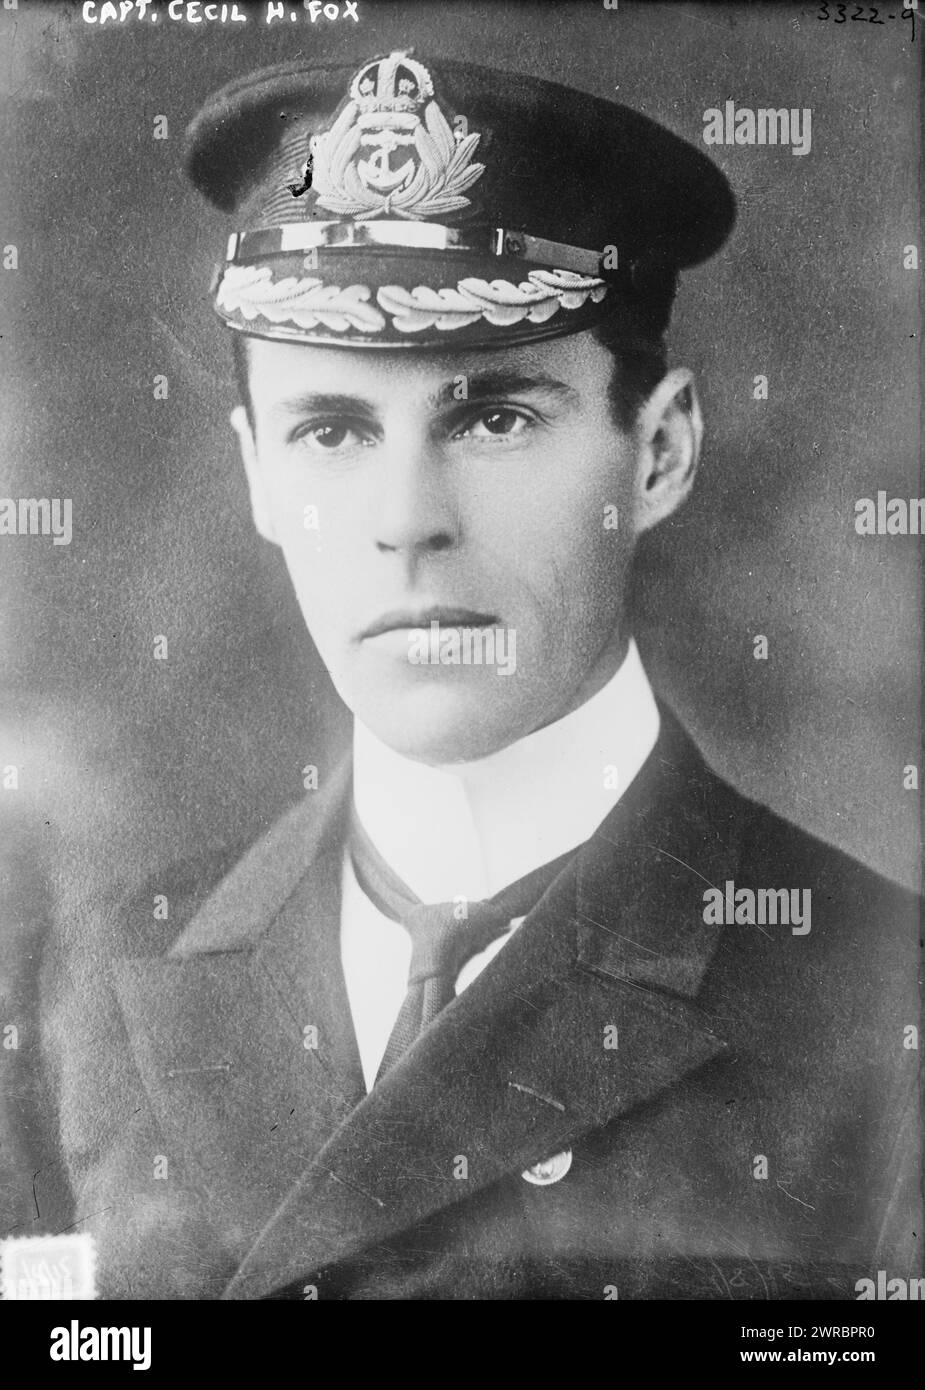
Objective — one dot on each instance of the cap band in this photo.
(305, 303)
(247, 247)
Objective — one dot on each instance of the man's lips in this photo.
(404, 618)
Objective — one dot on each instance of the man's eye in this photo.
(328, 437)
(498, 421)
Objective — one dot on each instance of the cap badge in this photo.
(391, 152)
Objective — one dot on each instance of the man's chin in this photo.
(453, 721)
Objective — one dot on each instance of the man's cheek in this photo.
(579, 589)
(317, 574)
(310, 530)
(326, 578)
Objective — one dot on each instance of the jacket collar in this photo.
(618, 940)
(241, 1033)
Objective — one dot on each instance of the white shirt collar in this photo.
(469, 829)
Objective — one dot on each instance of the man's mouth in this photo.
(407, 619)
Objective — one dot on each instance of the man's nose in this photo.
(416, 508)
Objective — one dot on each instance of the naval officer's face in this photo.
(490, 493)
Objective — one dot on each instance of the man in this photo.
(522, 1001)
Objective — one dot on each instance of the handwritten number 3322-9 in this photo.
(841, 14)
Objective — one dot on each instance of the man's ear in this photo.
(260, 508)
(670, 429)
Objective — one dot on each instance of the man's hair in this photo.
(241, 377)
(636, 372)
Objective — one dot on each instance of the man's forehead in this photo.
(276, 367)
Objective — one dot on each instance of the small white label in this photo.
(48, 1267)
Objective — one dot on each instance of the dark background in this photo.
(125, 761)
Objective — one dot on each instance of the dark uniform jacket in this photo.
(739, 1102)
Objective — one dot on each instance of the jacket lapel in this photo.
(516, 1068)
(242, 1033)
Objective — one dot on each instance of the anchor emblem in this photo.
(377, 172)
(391, 152)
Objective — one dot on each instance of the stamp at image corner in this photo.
(48, 1267)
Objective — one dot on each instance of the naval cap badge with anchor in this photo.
(391, 152)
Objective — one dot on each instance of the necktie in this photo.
(443, 937)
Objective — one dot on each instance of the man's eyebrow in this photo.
(323, 403)
(479, 386)
(496, 385)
